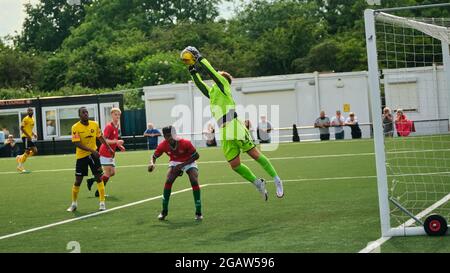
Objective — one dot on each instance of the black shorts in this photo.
(81, 168)
(27, 143)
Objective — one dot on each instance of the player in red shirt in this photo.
(111, 134)
(182, 158)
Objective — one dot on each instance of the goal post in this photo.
(409, 70)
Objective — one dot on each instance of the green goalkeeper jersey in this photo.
(221, 100)
(234, 136)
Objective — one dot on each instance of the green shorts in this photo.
(235, 138)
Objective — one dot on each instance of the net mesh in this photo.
(415, 88)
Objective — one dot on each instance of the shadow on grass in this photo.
(173, 224)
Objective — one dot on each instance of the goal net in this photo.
(409, 72)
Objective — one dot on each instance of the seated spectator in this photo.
(10, 148)
(2, 137)
(323, 123)
(152, 135)
(403, 126)
(388, 122)
(352, 121)
(210, 135)
(338, 123)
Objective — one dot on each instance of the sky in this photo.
(12, 15)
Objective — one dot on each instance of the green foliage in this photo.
(160, 68)
(122, 44)
(19, 69)
(48, 23)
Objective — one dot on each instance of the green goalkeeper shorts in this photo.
(235, 138)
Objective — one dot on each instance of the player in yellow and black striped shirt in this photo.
(29, 147)
(84, 136)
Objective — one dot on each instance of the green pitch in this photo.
(330, 205)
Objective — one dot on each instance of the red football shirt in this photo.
(110, 132)
(182, 152)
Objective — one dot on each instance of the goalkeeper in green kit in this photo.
(235, 136)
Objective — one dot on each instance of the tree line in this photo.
(102, 45)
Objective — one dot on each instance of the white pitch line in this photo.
(246, 160)
(375, 246)
(210, 162)
(91, 215)
(157, 197)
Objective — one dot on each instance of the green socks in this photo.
(196, 193)
(245, 172)
(266, 165)
(166, 197)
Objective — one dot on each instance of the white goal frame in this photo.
(375, 101)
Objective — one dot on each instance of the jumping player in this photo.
(235, 137)
(182, 159)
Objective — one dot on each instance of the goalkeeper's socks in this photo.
(266, 165)
(245, 172)
(75, 191)
(197, 200)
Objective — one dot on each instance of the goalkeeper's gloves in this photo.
(193, 69)
(194, 52)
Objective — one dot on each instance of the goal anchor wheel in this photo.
(435, 225)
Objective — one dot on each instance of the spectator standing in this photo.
(402, 124)
(388, 122)
(152, 135)
(338, 122)
(210, 135)
(264, 129)
(2, 136)
(5, 131)
(352, 121)
(51, 130)
(323, 123)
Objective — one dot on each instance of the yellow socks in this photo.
(101, 191)
(23, 158)
(75, 191)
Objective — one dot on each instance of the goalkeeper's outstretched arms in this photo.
(204, 88)
(200, 61)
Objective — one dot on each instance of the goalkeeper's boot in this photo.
(261, 186)
(90, 182)
(162, 215)
(198, 216)
(73, 207)
(102, 206)
(279, 185)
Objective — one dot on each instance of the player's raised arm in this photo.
(205, 65)
(204, 88)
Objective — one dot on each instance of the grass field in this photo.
(330, 205)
